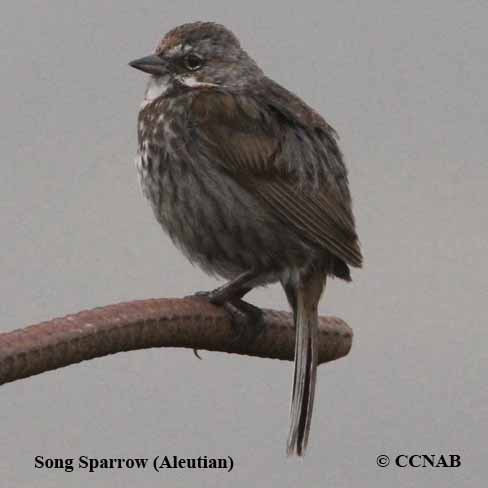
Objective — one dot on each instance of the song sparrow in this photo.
(249, 182)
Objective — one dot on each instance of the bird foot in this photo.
(199, 294)
(246, 319)
(216, 297)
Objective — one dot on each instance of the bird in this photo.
(249, 183)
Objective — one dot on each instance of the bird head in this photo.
(197, 55)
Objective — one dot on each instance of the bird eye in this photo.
(193, 61)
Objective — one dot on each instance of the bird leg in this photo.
(246, 318)
(235, 288)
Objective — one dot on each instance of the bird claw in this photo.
(246, 319)
(201, 295)
(212, 296)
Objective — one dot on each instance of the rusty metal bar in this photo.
(190, 323)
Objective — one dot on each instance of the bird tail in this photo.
(307, 296)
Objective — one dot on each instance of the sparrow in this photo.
(250, 184)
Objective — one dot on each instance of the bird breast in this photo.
(215, 222)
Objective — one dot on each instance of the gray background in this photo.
(404, 83)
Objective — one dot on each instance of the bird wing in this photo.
(286, 155)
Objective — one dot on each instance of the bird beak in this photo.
(153, 64)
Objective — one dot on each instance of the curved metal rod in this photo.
(191, 322)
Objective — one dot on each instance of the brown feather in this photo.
(250, 143)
